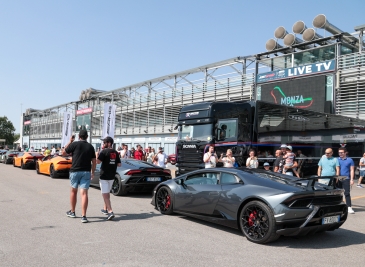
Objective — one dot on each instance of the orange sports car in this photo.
(54, 166)
(26, 159)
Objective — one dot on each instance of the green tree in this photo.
(7, 130)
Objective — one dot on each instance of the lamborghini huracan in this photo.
(264, 205)
(26, 159)
(54, 166)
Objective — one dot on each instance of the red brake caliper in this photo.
(168, 202)
(251, 218)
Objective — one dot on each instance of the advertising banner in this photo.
(109, 120)
(314, 68)
(66, 128)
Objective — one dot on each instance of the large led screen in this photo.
(306, 93)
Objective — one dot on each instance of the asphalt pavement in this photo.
(35, 231)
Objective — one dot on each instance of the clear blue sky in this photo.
(51, 50)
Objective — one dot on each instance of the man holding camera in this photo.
(160, 158)
(83, 154)
(210, 158)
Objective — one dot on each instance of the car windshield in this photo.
(201, 132)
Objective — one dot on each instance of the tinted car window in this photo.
(35, 154)
(20, 154)
(202, 178)
(227, 178)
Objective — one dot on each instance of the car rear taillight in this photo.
(168, 172)
(63, 162)
(131, 172)
(12, 155)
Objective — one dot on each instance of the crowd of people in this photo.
(149, 154)
(286, 162)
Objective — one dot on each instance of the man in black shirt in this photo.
(83, 155)
(110, 160)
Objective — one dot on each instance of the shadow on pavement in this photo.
(331, 239)
(335, 239)
(125, 217)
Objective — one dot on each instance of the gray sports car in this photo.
(134, 176)
(263, 204)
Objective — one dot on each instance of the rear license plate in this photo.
(153, 179)
(332, 219)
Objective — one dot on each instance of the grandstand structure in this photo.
(147, 112)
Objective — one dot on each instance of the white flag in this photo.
(67, 128)
(109, 120)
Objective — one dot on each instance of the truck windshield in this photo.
(202, 132)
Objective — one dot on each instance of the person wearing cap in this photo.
(288, 159)
(110, 160)
(81, 172)
(160, 158)
(267, 166)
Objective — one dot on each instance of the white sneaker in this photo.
(359, 186)
(350, 210)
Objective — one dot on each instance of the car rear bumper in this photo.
(140, 187)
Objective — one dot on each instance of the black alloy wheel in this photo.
(22, 165)
(37, 168)
(52, 172)
(257, 223)
(164, 200)
(117, 188)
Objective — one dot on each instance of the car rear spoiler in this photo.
(313, 179)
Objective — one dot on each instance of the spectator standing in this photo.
(83, 161)
(328, 166)
(47, 152)
(131, 153)
(289, 159)
(53, 151)
(150, 155)
(347, 168)
(110, 160)
(210, 158)
(362, 171)
(252, 161)
(161, 158)
(278, 161)
(31, 149)
(139, 153)
(267, 166)
(228, 160)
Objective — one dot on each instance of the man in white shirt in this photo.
(53, 151)
(210, 158)
(161, 157)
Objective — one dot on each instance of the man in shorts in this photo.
(83, 162)
(110, 160)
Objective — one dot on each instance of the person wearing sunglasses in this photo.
(328, 166)
(347, 168)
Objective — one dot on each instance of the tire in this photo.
(164, 200)
(257, 223)
(117, 188)
(22, 165)
(52, 172)
(37, 168)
